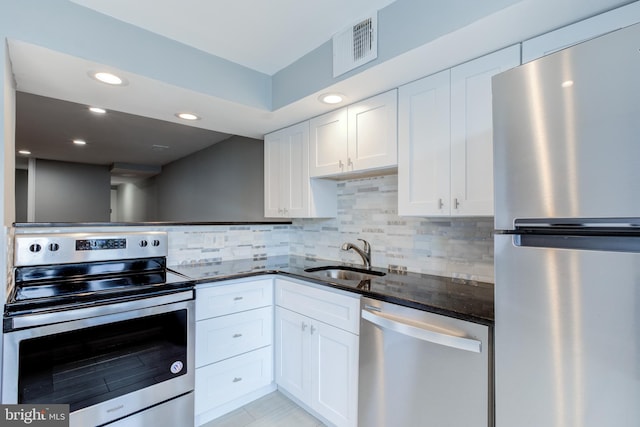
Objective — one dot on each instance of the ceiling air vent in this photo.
(355, 46)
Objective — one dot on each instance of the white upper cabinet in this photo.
(328, 143)
(580, 31)
(472, 131)
(445, 139)
(288, 191)
(423, 145)
(360, 137)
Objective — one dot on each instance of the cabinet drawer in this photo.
(220, 300)
(226, 336)
(225, 381)
(329, 307)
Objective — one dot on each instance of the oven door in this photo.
(105, 367)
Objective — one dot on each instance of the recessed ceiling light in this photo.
(187, 116)
(108, 78)
(97, 110)
(567, 83)
(79, 142)
(24, 152)
(331, 98)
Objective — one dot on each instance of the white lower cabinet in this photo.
(234, 345)
(230, 379)
(317, 361)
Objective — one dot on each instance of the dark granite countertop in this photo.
(459, 298)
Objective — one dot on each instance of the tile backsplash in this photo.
(367, 209)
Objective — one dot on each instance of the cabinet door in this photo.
(295, 164)
(472, 131)
(334, 363)
(423, 146)
(373, 133)
(286, 172)
(292, 353)
(274, 175)
(328, 143)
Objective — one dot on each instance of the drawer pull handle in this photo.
(237, 379)
(313, 329)
(237, 335)
(304, 326)
(237, 298)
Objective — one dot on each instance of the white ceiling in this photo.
(264, 35)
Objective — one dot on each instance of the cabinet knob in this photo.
(237, 335)
(440, 204)
(349, 162)
(313, 329)
(304, 326)
(456, 204)
(237, 379)
(237, 298)
(340, 164)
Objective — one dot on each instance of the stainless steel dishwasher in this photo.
(422, 369)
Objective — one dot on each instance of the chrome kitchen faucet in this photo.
(365, 252)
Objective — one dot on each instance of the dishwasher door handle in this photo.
(421, 331)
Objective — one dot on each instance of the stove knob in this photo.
(156, 243)
(143, 243)
(53, 247)
(35, 247)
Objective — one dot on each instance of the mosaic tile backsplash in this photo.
(367, 209)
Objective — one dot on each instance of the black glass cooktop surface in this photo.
(42, 287)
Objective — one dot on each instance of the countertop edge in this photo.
(382, 297)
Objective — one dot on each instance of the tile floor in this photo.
(272, 410)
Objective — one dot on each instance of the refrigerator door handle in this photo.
(625, 243)
(422, 331)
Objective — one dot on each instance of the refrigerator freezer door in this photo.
(567, 337)
(566, 133)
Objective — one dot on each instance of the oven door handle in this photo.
(126, 309)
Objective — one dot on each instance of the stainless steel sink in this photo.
(345, 273)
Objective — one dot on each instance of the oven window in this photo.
(88, 366)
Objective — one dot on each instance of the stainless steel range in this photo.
(97, 321)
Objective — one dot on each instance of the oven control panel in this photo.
(51, 248)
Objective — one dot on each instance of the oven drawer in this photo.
(231, 298)
(225, 381)
(226, 336)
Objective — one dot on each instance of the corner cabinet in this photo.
(234, 345)
(288, 190)
(445, 139)
(359, 138)
(316, 353)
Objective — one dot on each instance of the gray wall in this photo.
(71, 192)
(224, 182)
(22, 179)
(137, 202)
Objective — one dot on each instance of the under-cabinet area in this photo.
(300, 333)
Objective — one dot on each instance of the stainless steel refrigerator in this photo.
(567, 245)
